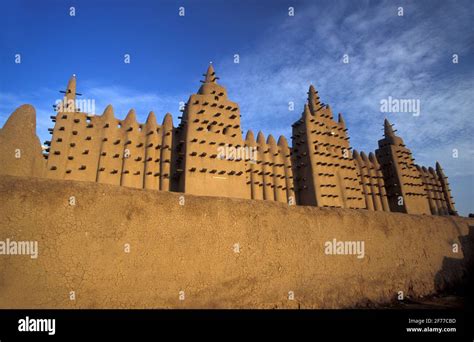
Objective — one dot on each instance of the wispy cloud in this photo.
(397, 65)
(388, 57)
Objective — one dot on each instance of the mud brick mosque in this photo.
(320, 169)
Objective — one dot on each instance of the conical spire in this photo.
(363, 156)
(71, 86)
(151, 120)
(374, 160)
(439, 170)
(210, 75)
(271, 141)
(168, 121)
(341, 121)
(249, 138)
(313, 99)
(260, 138)
(108, 114)
(282, 142)
(69, 101)
(329, 111)
(355, 154)
(388, 129)
(131, 118)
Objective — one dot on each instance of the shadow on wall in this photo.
(456, 276)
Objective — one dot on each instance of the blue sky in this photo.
(405, 57)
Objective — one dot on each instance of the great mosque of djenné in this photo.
(320, 169)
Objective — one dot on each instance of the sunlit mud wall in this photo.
(104, 246)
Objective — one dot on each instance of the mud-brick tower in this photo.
(64, 120)
(325, 172)
(101, 148)
(403, 181)
(74, 145)
(446, 190)
(209, 138)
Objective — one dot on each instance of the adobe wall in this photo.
(269, 175)
(371, 181)
(107, 150)
(190, 248)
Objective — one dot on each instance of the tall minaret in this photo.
(325, 172)
(62, 132)
(69, 101)
(209, 137)
(403, 181)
